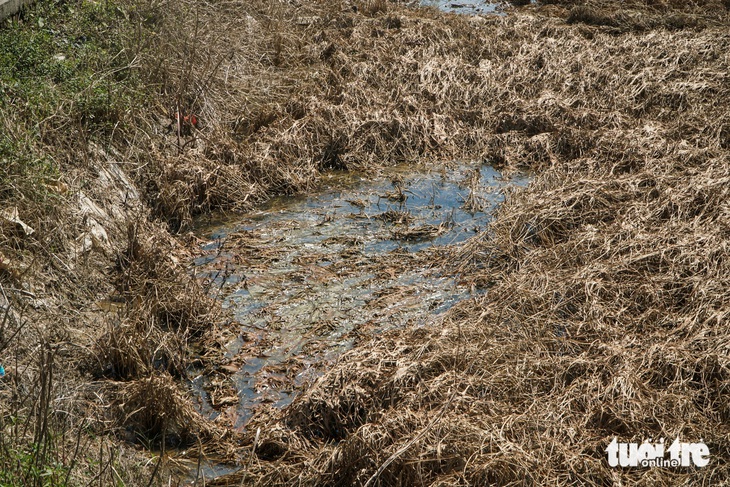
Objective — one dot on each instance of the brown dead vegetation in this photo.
(606, 309)
(338, 86)
(147, 344)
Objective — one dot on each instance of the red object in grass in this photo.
(187, 120)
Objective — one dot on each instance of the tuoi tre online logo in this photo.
(649, 454)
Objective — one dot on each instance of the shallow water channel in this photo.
(467, 7)
(307, 277)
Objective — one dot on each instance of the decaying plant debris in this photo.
(606, 308)
(606, 304)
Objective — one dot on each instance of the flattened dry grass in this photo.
(284, 93)
(145, 351)
(606, 309)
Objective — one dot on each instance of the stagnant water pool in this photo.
(306, 278)
(468, 7)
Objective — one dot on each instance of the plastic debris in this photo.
(2, 371)
(11, 216)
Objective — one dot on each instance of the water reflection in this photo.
(307, 277)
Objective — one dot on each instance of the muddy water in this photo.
(306, 278)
